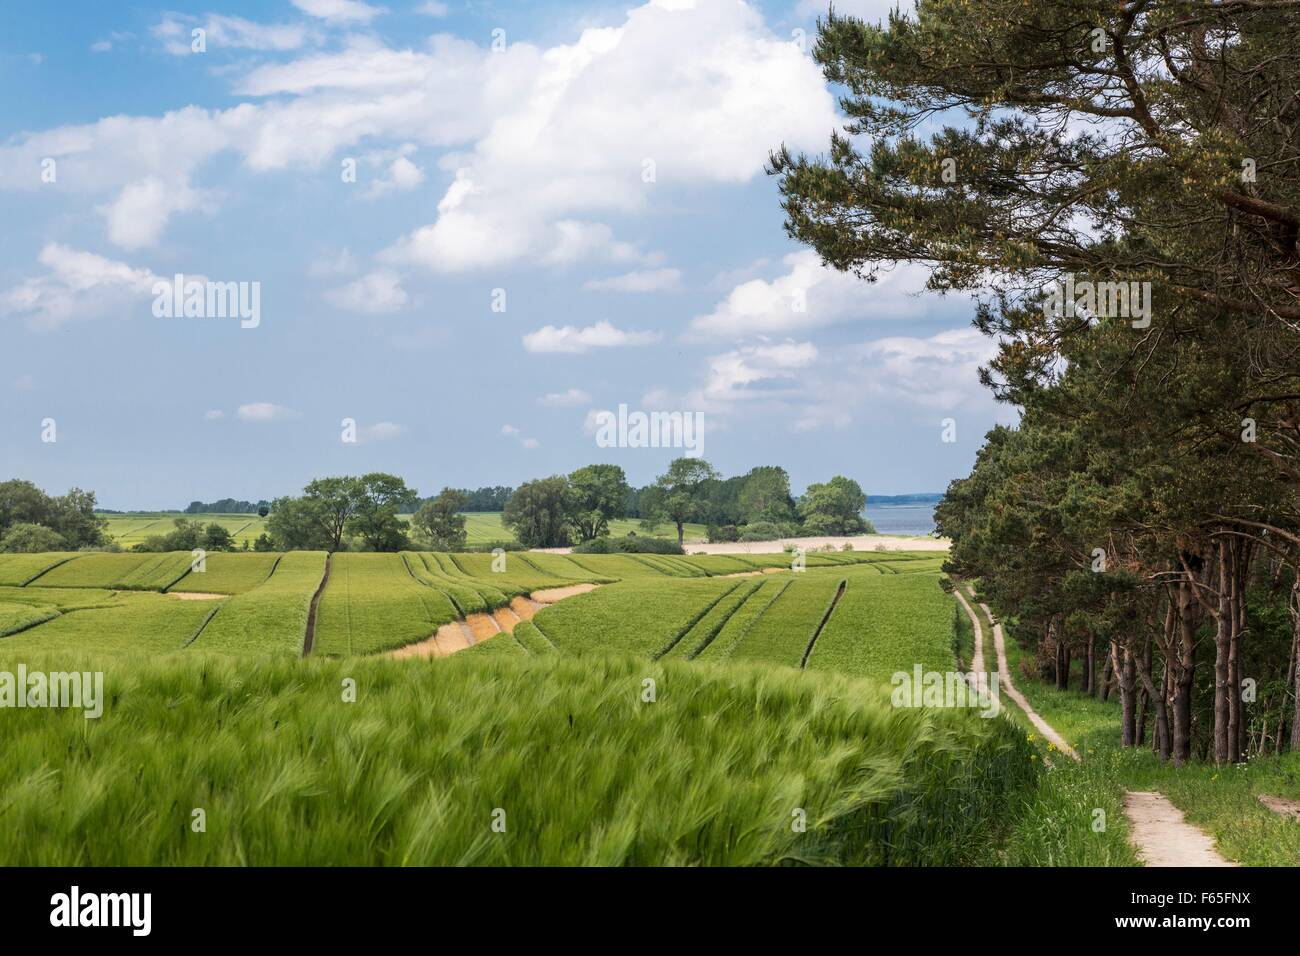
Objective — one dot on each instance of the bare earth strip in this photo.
(977, 659)
(1163, 837)
(1287, 808)
(196, 596)
(1156, 827)
(551, 595)
(1004, 670)
(459, 635)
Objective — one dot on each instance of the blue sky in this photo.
(602, 167)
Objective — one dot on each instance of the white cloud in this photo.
(341, 263)
(565, 399)
(339, 11)
(381, 431)
(432, 8)
(78, 285)
(758, 372)
(551, 140)
(375, 293)
(400, 175)
(101, 46)
(871, 11)
(264, 412)
(602, 335)
(510, 431)
(573, 145)
(214, 415)
(175, 32)
(810, 295)
(650, 280)
(141, 211)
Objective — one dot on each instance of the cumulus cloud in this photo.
(650, 280)
(375, 293)
(175, 31)
(551, 141)
(264, 412)
(566, 399)
(570, 339)
(339, 11)
(809, 295)
(510, 431)
(77, 285)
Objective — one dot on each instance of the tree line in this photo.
(1139, 529)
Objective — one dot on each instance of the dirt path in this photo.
(479, 627)
(195, 596)
(1161, 835)
(1004, 669)
(1281, 805)
(309, 639)
(977, 658)
(835, 602)
(1157, 828)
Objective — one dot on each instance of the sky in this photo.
(469, 228)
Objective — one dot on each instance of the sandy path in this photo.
(1161, 835)
(506, 619)
(1156, 827)
(1043, 727)
(551, 595)
(197, 596)
(524, 608)
(448, 639)
(1288, 808)
(977, 659)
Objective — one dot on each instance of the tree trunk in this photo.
(1105, 678)
(681, 533)
(1090, 665)
(1124, 672)
(1184, 673)
(1295, 663)
(1222, 638)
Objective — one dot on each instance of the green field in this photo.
(480, 527)
(770, 699)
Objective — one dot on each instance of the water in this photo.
(901, 519)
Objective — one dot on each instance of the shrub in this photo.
(31, 538)
(760, 531)
(720, 533)
(632, 544)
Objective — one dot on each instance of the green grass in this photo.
(372, 603)
(64, 599)
(229, 573)
(17, 569)
(19, 617)
(121, 572)
(782, 634)
(271, 618)
(642, 617)
(133, 622)
(417, 769)
(885, 624)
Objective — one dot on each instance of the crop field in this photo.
(232, 573)
(270, 618)
(584, 772)
(373, 603)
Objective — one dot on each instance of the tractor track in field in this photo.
(812, 642)
(1157, 829)
(309, 637)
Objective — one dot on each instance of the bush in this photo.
(760, 531)
(30, 539)
(725, 532)
(630, 545)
